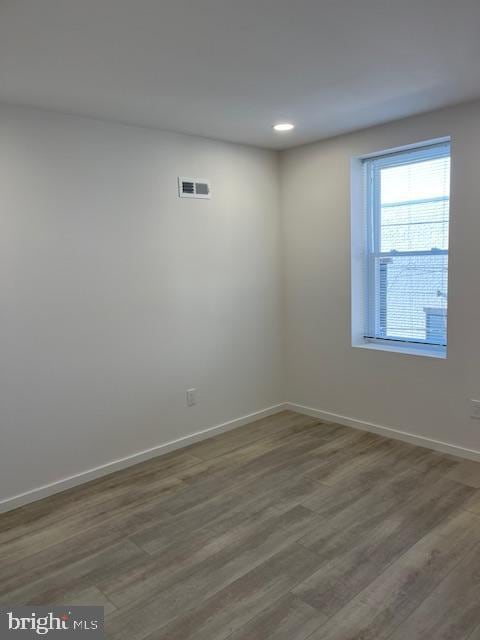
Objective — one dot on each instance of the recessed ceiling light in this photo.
(283, 126)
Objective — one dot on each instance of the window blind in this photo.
(407, 220)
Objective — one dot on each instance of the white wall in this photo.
(116, 295)
(425, 396)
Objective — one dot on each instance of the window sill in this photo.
(406, 350)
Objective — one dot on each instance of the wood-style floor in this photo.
(285, 529)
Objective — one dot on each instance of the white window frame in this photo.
(371, 251)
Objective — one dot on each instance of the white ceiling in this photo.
(229, 69)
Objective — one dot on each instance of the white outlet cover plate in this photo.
(192, 397)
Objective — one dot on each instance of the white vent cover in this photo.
(193, 188)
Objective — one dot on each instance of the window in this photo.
(406, 260)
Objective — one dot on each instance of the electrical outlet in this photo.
(192, 397)
(475, 409)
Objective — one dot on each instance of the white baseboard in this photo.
(388, 432)
(116, 465)
(44, 491)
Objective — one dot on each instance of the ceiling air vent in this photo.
(193, 188)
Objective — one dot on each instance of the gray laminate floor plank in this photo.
(228, 610)
(287, 618)
(177, 594)
(217, 552)
(451, 611)
(387, 601)
(356, 557)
